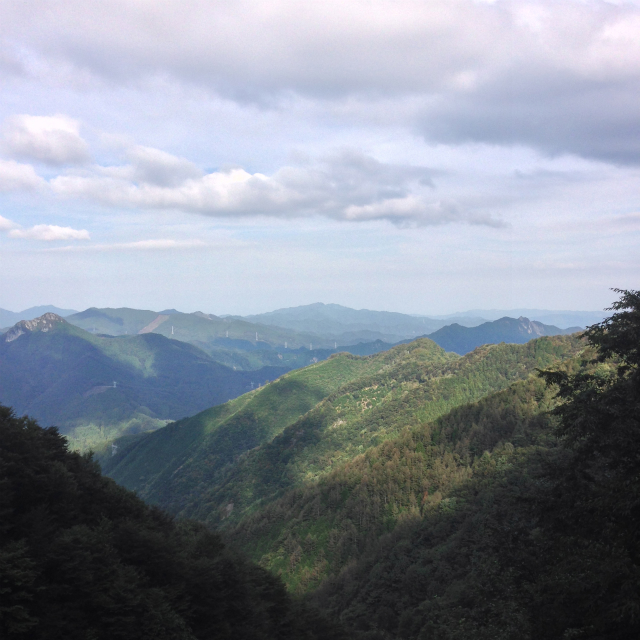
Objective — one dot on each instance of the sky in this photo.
(421, 156)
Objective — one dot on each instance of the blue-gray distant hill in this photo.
(558, 318)
(461, 340)
(9, 318)
(349, 326)
(97, 387)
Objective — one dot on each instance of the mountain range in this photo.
(95, 387)
(240, 465)
(419, 490)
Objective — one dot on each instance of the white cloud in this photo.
(54, 140)
(49, 233)
(15, 176)
(6, 225)
(347, 186)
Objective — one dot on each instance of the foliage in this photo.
(540, 540)
(208, 442)
(83, 558)
(417, 383)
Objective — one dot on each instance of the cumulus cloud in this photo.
(15, 176)
(558, 76)
(53, 140)
(153, 166)
(347, 185)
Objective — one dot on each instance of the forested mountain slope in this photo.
(81, 557)
(315, 530)
(409, 385)
(207, 443)
(95, 387)
(207, 329)
(538, 537)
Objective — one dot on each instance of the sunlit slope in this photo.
(313, 531)
(316, 528)
(414, 386)
(163, 466)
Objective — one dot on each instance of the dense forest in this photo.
(82, 558)
(542, 539)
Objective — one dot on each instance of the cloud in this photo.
(50, 232)
(562, 77)
(6, 225)
(19, 177)
(147, 245)
(347, 186)
(47, 232)
(53, 140)
(153, 166)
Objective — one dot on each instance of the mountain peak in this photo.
(44, 323)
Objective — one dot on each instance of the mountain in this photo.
(346, 325)
(81, 557)
(95, 387)
(9, 318)
(223, 433)
(232, 341)
(562, 319)
(194, 471)
(518, 331)
(206, 329)
(518, 515)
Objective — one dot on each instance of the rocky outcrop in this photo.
(44, 323)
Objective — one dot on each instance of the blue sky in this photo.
(237, 157)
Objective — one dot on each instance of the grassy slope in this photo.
(204, 444)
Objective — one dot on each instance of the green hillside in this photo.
(208, 442)
(82, 558)
(418, 385)
(94, 388)
(315, 530)
(204, 330)
(410, 385)
(537, 537)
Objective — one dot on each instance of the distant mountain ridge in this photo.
(462, 340)
(9, 318)
(559, 318)
(346, 325)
